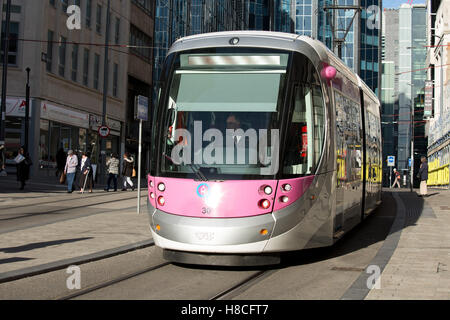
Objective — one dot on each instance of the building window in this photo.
(96, 70)
(146, 5)
(50, 51)
(142, 43)
(115, 79)
(62, 56)
(117, 35)
(88, 12)
(86, 67)
(99, 19)
(64, 5)
(14, 9)
(13, 42)
(74, 62)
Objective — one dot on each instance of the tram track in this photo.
(226, 294)
(237, 289)
(106, 284)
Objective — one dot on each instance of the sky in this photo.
(396, 3)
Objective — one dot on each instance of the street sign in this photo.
(391, 161)
(141, 114)
(104, 131)
(141, 108)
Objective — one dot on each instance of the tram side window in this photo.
(319, 122)
(299, 149)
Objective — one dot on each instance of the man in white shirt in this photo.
(70, 170)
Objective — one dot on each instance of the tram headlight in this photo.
(268, 190)
(152, 195)
(284, 199)
(161, 201)
(161, 187)
(287, 187)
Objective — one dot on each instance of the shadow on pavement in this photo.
(15, 259)
(39, 245)
(373, 229)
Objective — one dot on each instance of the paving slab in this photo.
(418, 268)
(110, 226)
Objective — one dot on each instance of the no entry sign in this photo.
(104, 131)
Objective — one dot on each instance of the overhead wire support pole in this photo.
(105, 90)
(5, 78)
(339, 41)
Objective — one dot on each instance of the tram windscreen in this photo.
(222, 115)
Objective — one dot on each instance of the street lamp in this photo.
(412, 148)
(27, 108)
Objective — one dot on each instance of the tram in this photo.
(263, 143)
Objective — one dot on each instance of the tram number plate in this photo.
(206, 210)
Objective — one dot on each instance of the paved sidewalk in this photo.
(59, 232)
(420, 265)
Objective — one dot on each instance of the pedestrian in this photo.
(127, 171)
(70, 170)
(60, 161)
(423, 176)
(23, 167)
(397, 178)
(113, 171)
(2, 165)
(86, 175)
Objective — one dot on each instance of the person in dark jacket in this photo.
(423, 176)
(60, 161)
(127, 171)
(23, 167)
(86, 173)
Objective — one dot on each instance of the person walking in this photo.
(113, 171)
(397, 179)
(70, 170)
(2, 165)
(423, 176)
(127, 171)
(23, 167)
(86, 173)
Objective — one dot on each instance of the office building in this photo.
(412, 75)
(66, 78)
(439, 73)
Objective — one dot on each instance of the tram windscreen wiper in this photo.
(198, 172)
(195, 170)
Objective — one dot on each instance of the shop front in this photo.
(14, 129)
(61, 130)
(112, 142)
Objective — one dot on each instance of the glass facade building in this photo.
(361, 48)
(412, 57)
(369, 53)
(175, 19)
(179, 18)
